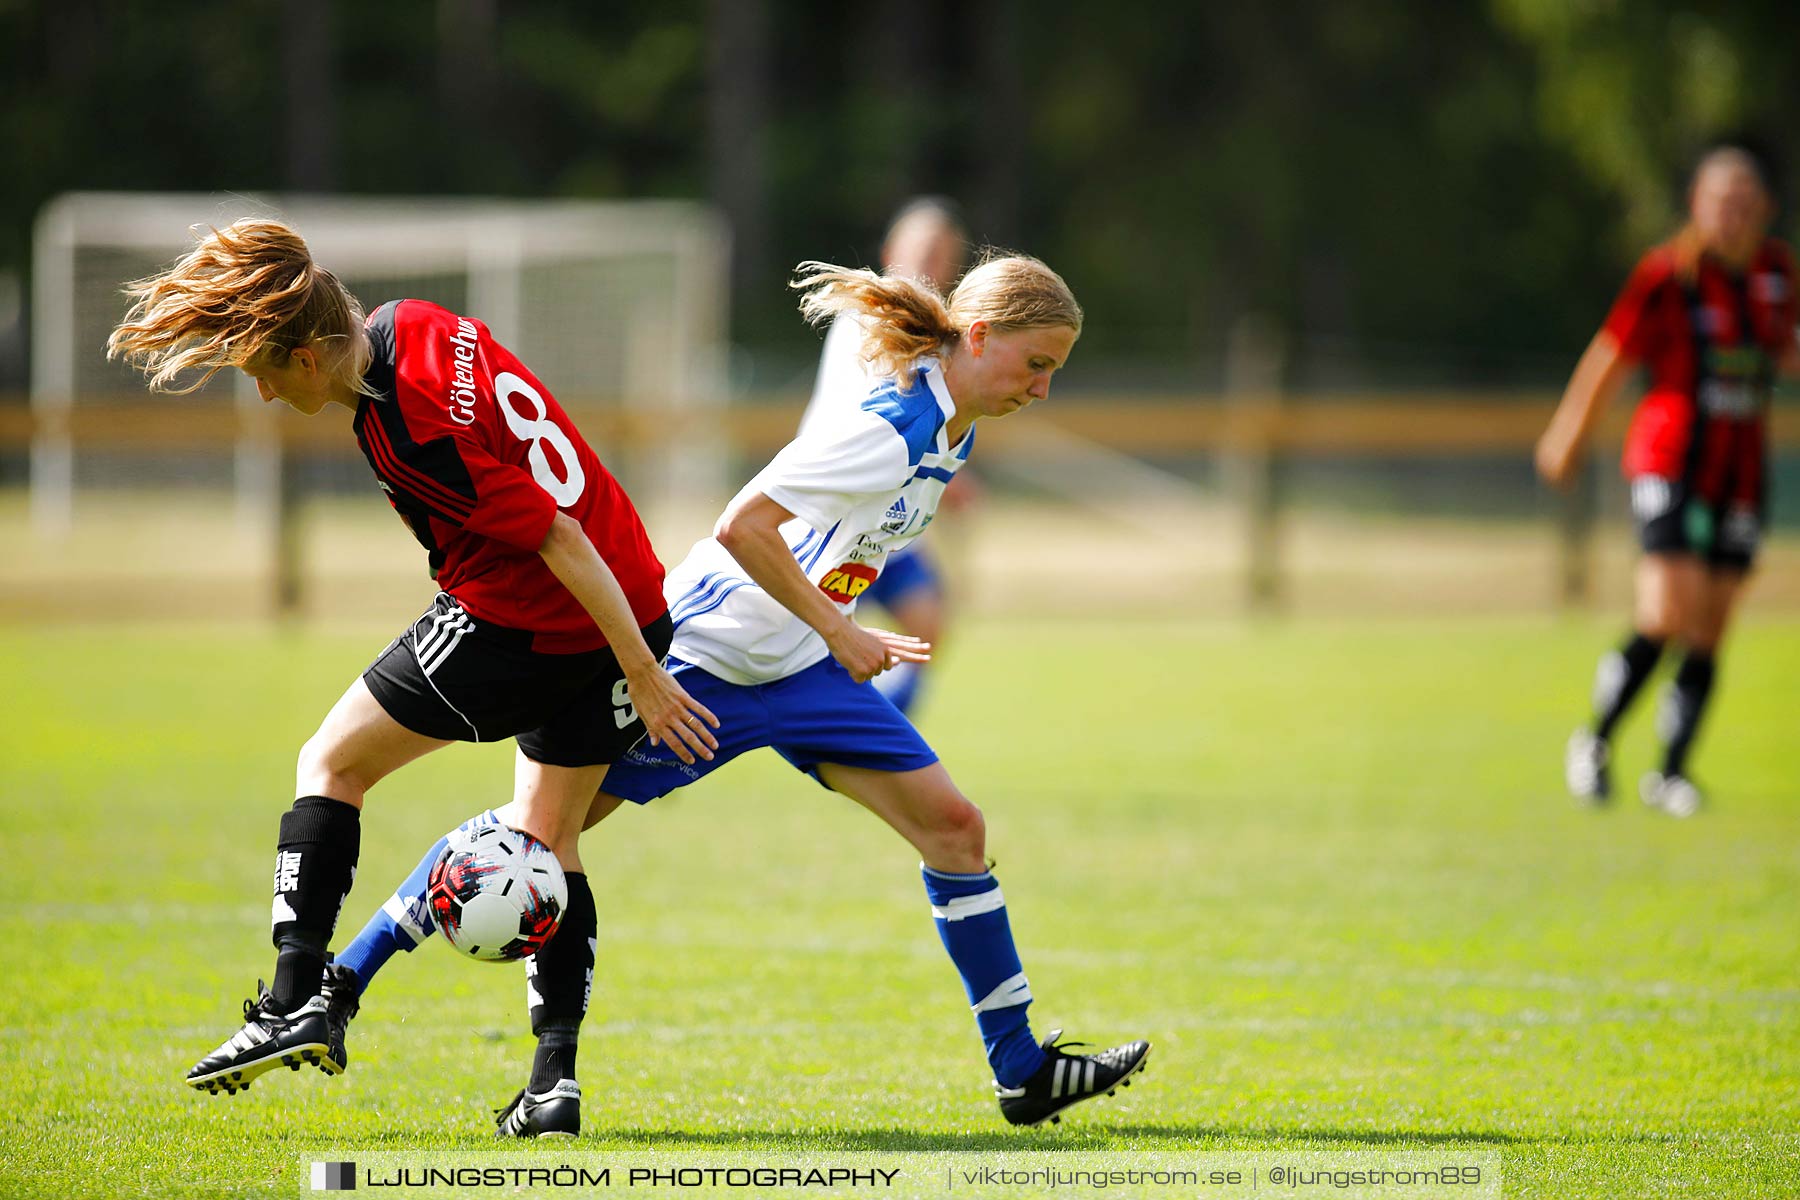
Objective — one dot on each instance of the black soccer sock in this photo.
(1682, 707)
(558, 981)
(1619, 678)
(555, 1057)
(315, 864)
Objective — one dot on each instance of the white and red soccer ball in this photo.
(496, 894)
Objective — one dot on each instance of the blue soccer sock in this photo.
(971, 920)
(404, 920)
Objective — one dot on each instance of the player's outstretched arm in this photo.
(668, 712)
(750, 530)
(1597, 379)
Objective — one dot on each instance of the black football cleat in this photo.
(552, 1114)
(1067, 1079)
(341, 990)
(269, 1039)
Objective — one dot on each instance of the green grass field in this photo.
(1326, 868)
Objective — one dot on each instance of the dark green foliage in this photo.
(1392, 180)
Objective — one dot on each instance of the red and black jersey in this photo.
(476, 456)
(1710, 345)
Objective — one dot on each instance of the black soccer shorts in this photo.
(1671, 520)
(456, 677)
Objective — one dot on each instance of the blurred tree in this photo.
(1633, 89)
(997, 183)
(1392, 182)
(468, 65)
(309, 70)
(738, 113)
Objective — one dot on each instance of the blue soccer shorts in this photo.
(819, 715)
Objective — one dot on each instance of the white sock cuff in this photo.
(410, 915)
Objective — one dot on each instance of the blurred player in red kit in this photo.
(1710, 314)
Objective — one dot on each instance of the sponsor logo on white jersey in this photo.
(897, 516)
(846, 582)
(865, 549)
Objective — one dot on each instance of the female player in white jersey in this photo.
(765, 638)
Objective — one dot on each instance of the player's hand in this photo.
(866, 653)
(672, 716)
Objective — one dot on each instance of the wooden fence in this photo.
(1253, 434)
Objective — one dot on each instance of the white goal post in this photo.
(613, 304)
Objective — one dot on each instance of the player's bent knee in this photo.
(310, 770)
(1661, 618)
(314, 774)
(957, 831)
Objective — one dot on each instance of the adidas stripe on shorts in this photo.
(459, 678)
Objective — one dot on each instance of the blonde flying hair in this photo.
(908, 319)
(248, 295)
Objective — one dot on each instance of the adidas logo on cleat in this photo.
(552, 1114)
(268, 1039)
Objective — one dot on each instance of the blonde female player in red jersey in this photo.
(549, 625)
(1711, 314)
(766, 636)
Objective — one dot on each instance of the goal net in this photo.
(619, 307)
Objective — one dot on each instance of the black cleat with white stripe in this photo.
(269, 1039)
(552, 1114)
(1067, 1079)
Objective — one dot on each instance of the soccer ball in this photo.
(496, 893)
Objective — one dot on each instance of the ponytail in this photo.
(247, 295)
(907, 319)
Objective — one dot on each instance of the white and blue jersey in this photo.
(862, 482)
(845, 378)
